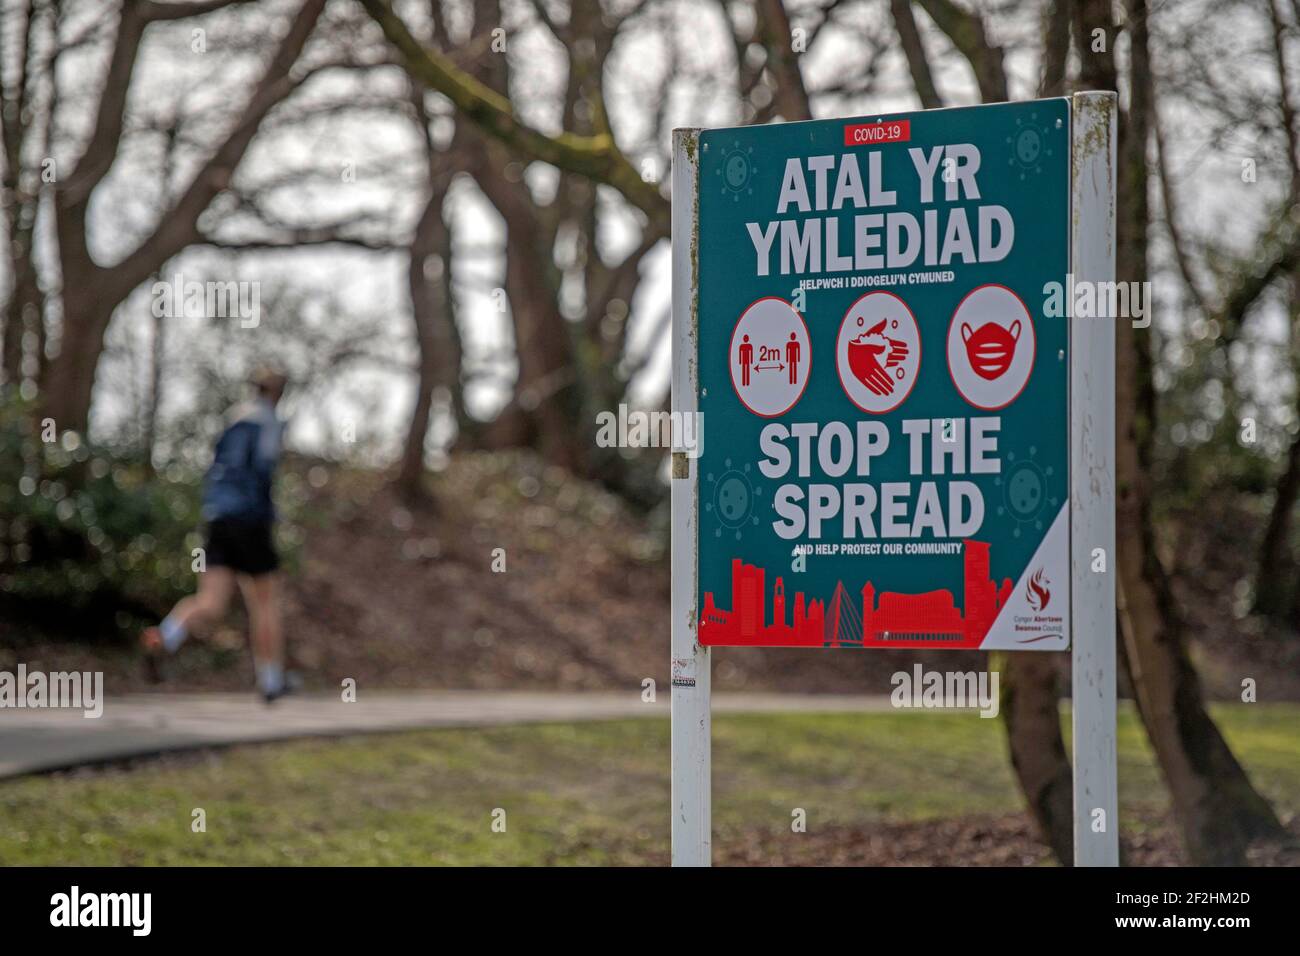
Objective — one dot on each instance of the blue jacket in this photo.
(238, 485)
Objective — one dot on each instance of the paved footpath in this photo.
(145, 724)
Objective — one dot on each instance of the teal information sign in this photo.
(883, 367)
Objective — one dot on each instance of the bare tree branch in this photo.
(791, 98)
(155, 11)
(179, 227)
(1176, 239)
(1277, 254)
(595, 157)
(966, 31)
(1056, 48)
(909, 37)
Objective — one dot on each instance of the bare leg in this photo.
(262, 598)
(216, 585)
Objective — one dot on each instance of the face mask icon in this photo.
(990, 348)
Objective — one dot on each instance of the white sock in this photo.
(173, 634)
(270, 677)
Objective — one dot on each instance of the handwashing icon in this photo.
(872, 354)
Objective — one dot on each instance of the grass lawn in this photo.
(592, 793)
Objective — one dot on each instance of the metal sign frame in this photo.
(1092, 504)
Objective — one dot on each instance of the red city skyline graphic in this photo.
(929, 619)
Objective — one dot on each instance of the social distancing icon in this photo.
(770, 357)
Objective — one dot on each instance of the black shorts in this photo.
(243, 546)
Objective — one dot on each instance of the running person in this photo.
(238, 547)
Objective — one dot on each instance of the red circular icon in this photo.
(878, 352)
(770, 357)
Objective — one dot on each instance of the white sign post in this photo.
(1092, 505)
(691, 726)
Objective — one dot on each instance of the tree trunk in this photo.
(791, 97)
(547, 410)
(69, 378)
(1031, 710)
(1218, 809)
(548, 390)
(11, 371)
(439, 355)
(1031, 696)
(23, 312)
(157, 356)
(1275, 593)
(1274, 586)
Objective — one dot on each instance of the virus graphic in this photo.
(1025, 492)
(737, 171)
(732, 500)
(1039, 591)
(1029, 146)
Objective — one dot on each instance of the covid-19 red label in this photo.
(877, 134)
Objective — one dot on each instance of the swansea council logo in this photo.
(1038, 591)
